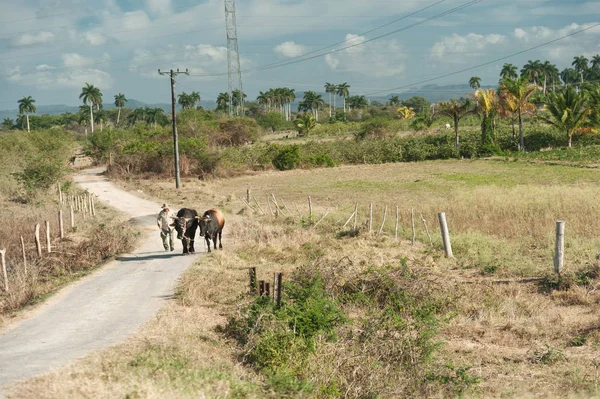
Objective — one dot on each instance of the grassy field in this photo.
(492, 322)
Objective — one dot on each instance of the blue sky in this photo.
(50, 48)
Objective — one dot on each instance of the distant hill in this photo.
(62, 108)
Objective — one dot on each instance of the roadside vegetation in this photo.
(365, 315)
(33, 165)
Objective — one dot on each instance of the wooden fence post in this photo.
(60, 194)
(559, 254)
(267, 289)
(72, 218)
(3, 258)
(309, 209)
(279, 288)
(248, 195)
(253, 285)
(83, 207)
(48, 237)
(277, 210)
(445, 235)
(24, 256)
(370, 217)
(396, 229)
(427, 230)
(322, 217)
(355, 216)
(93, 206)
(412, 222)
(383, 223)
(61, 227)
(269, 204)
(261, 287)
(38, 244)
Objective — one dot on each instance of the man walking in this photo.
(163, 222)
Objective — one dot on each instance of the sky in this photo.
(49, 49)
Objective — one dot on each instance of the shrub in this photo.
(374, 128)
(236, 132)
(40, 174)
(416, 150)
(288, 158)
(273, 121)
(322, 160)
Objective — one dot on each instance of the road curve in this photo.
(103, 308)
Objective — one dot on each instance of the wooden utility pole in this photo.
(172, 74)
(559, 252)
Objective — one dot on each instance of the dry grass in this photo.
(80, 252)
(522, 338)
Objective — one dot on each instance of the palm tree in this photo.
(120, 101)
(475, 82)
(185, 100)
(355, 102)
(580, 64)
(519, 91)
(305, 123)
(222, 101)
(330, 89)
(26, 105)
(92, 95)
(8, 123)
(596, 62)
(594, 104)
(154, 115)
(508, 71)
(568, 111)
(568, 75)
(394, 100)
(487, 107)
(532, 70)
(343, 90)
(455, 110)
(195, 98)
(547, 69)
(138, 114)
(406, 112)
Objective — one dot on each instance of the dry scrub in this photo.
(507, 327)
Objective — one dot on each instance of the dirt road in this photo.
(103, 308)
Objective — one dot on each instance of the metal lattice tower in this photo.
(233, 56)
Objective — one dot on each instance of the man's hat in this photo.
(164, 206)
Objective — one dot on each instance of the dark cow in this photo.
(186, 224)
(211, 224)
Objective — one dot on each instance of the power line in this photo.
(489, 62)
(288, 62)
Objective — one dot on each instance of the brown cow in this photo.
(211, 224)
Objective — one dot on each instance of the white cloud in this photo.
(159, 7)
(199, 59)
(134, 20)
(75, 71)
(460, 49)
(71, 60)
(29, 39)
(290, 49)
(95, 39)
(376, 59)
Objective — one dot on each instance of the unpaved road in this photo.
(103, 308)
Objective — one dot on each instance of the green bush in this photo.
(288, 158)
(374, 128)
(322, 160)
(274, 121)
(40, 174)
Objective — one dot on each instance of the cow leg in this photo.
(185, 245)
(220, 241)
(207, 242)
(214, 238)
(192, 250)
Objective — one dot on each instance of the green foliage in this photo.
(374, 128)
(40, 174)
(288, 158)
(322, 160)
(457, 379)
(273, 121)
(279, 340)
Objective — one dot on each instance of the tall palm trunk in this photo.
(521, 139)
(101, 125)
(456, 142)
(92, 117)
(544, 84)
(344, 97)
(334, 96)
(27, 116)
(570, 135)
(118, 116)
(330, 104)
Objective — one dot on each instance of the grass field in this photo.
(506, 327)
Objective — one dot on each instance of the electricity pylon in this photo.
(233, 56)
